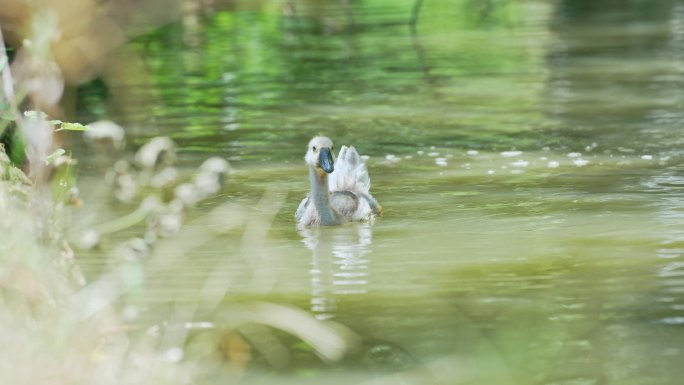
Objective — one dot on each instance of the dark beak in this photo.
(326, 160)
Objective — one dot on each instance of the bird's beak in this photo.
(325, 159)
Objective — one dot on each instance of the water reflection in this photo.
(670, 252)
(338, 266)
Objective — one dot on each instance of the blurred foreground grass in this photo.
(57, 328)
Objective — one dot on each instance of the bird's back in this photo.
(350, 187)
(350, 173)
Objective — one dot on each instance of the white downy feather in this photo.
(350, 173)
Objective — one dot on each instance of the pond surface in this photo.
(528, 155)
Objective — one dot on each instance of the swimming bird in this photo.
(340, 189)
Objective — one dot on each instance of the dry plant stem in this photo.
(8, 89)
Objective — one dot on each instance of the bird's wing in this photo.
(302, 208)
(350, 173)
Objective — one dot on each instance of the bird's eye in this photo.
(314, 148)
(332, 148)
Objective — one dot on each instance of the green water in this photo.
(560, 263)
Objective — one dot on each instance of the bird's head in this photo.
(320, 154)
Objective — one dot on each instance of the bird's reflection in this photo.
(338, 266)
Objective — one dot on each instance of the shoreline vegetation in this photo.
(58, 326)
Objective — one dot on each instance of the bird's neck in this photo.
(321, 196)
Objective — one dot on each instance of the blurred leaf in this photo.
(51, 158)
(303, 346)
(72, 127)
(5, 113)
(17, 147)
